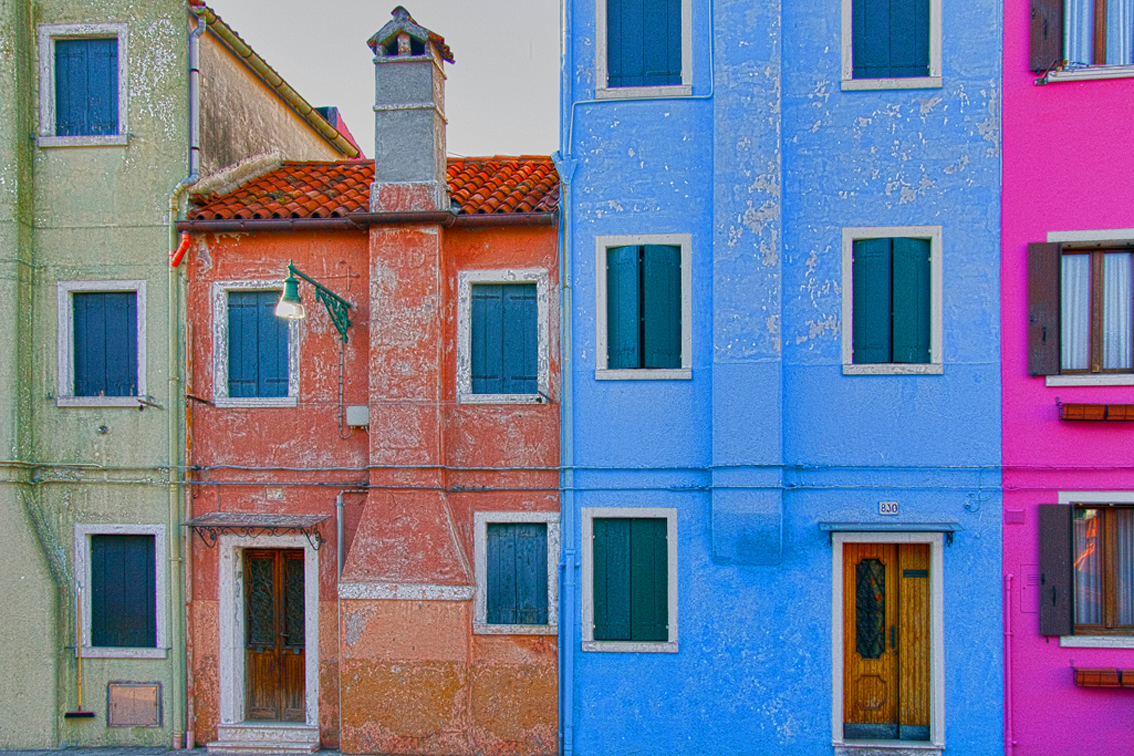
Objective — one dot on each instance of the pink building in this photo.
(1068, 376)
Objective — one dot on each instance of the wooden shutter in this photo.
(122, 591)
(1047, 34)
(661, 306)
(649, 580)
(872, 277)
(611, 589)
(257, 345)
(486, 326)
(520, 339)
(105, 343)
(86, 87)
(889, 38)
(531, 573)
(623, 308)
(1055, 589)
(643, 42)
(102, 86)
(911, 300)
(1043, 308)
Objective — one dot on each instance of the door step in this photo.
(265, 737)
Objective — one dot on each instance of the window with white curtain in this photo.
(1096, 312)
(1103, 568)
(1098, 32)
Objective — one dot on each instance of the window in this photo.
(122, 579)
(1081, 311)
(892, 300)
(891, 44)
(502, 336)
(1082, 39)
(83, 84)
(642, 286)
(101, 341)
(643, 48)
(629, 579)
(1087, 565)
(517, 583)
(256, 359)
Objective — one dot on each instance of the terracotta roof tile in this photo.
(477, 186)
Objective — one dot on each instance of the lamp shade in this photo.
(290, 306)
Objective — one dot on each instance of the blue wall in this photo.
(764, 167)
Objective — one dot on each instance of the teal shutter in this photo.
(911, 301)
(611, 589)
(105, 343)
(86, 87)
(871, 273)
(520, 352)
(649, 580)
(623, 308)
(889, 38)
(486, 328)
(257, 345)
(643, 42)
(531, 573)
(661, 306)
(122, 591)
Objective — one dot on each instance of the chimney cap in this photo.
(403, 23)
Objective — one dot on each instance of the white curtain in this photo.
(1120, 32)
(1088, 567)
(1124, 544)
(1078, 28)
(1118, 317)
(1075, 298)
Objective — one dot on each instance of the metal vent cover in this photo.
(133, 704)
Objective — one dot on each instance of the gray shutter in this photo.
(1043, 308)
(1055, 588)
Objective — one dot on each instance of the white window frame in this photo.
(936, 638)
(1120, 237)
(936, 365)
(219, 295)
(65, 347)
(685, 372)
(466, 279)
(481, 520)
(933, 81)
(588, 608)
(48, 33)
(1072, 498)
(684, 89)
(83, 535)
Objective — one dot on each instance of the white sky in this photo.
(501, 96)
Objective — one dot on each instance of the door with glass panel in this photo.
(886, 641)
(274, 635)
(1103, 569)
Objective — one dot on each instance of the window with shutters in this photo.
(1082, 39)
(122, 589)
(255, 353)
(516, 579)
(1087, 565)
(892, 300)
(891, 44)
(503, 336)
(1081, 312)
(629, 579)
(644, 313)
(82, 80)
(101, 343)
(643, 48)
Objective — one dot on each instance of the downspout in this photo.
(1009, 734)
(177, 641)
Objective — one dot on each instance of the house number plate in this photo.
(887, 507)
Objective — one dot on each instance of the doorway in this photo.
(886, 637)
(274, 635)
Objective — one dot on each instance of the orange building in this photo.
(375, 486)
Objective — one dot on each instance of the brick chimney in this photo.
(409, 117)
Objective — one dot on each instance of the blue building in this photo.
(781, 432)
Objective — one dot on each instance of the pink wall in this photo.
(1068, 165)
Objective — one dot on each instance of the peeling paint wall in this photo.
(1067, 158)
(765, 165)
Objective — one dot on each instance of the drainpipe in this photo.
(1009, 734)
(178, 652)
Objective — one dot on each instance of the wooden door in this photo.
(886, 641)
(274, 635)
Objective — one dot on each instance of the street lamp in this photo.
(291, 306)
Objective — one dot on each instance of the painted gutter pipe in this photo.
(364, 220)
(177, 254)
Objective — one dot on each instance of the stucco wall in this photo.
(1067, 151)
(242, 117)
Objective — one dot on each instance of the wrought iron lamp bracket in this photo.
(337, 307)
